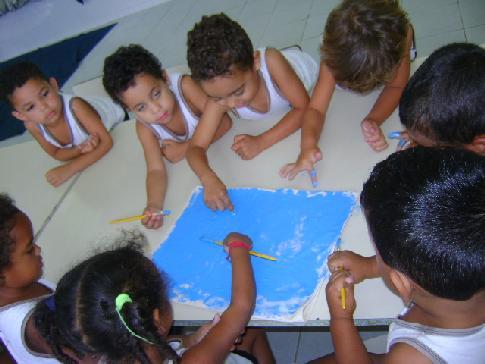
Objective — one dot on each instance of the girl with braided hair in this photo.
(114, 306)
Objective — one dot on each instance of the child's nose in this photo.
(155, 107)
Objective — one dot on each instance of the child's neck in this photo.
(10, 295)
(177, 124)
(448, 314)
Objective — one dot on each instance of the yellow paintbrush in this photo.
(139, 217)
(252, 252)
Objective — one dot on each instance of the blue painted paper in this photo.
(299, 228)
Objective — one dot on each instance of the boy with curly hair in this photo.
(253, 84)
(367, 44)
(167, 108)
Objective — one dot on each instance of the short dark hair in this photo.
(85, 318)
(444, 99)
(425, 208)
(121, 67)
(8, 211)
(17, 75)
(364, 42)
(215, 45)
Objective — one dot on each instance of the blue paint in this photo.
(299, 228)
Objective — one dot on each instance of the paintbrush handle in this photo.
(252, 252)
(138, 217)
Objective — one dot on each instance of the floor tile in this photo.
(255, 27)
(281, 35)
(286, 11)
(472, 12)
(312, 47)
(284, 345)
(431, 20)
(314, 26)
(427, 45)
(314, 344)
(256, 7)
(476, 34)
(323, 7)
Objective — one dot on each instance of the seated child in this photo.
(442, 103)
(126, 315)
(253, 84)
(68, 128)
(167, 109)
(366, 44)
(20, 284)
(425, 209)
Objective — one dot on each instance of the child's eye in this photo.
(45, 93)
(157, 94)
(29, 108)
(239, 92)
(140, 108)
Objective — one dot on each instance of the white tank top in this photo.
(304, 66)
(190, 119)
(13, 320)
(109, 113)
(450, 346)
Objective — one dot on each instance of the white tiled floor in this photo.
(162, 29)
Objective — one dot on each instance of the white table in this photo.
(115, 187)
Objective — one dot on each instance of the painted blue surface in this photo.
(299, 228)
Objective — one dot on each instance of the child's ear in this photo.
(19, 116)
(163, 322)
(166, 77)
(257, 61)
(477, 145)
(53, 83)
(403, 285)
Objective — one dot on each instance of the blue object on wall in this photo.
(299, 228)
(59, 60)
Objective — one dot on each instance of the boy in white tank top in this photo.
(68, 128)
(167, 109)
(255, 85)
(425, 209)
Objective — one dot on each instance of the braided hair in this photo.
(86, 318)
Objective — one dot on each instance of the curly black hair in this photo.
(215, 44)
(17, 75)
(121, 67)
(8, 210)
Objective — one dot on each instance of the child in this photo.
(442, 103)
(20, 284)
(254, 84)
(67, 127)
(366, 45)
(167, 108)
(115, 304)
(425, 209)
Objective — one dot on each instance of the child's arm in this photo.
(347, 342)
(387, 101)
(215, 192)
(156, 178)
(313, 121)
(249, 146)
(60, 154)
(196, 100)
(89, 119)
(359, 267)
(216, 345)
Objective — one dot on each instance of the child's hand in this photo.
(202, 331)
(174, 151)
(215, 194)
(153, 220)
(231, 237)
(58, 175)
(246, 146)
(338, 280)
(305, 162)
(373, 135)
(359, 267)
(89, 145)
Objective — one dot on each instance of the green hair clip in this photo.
(120, 301)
